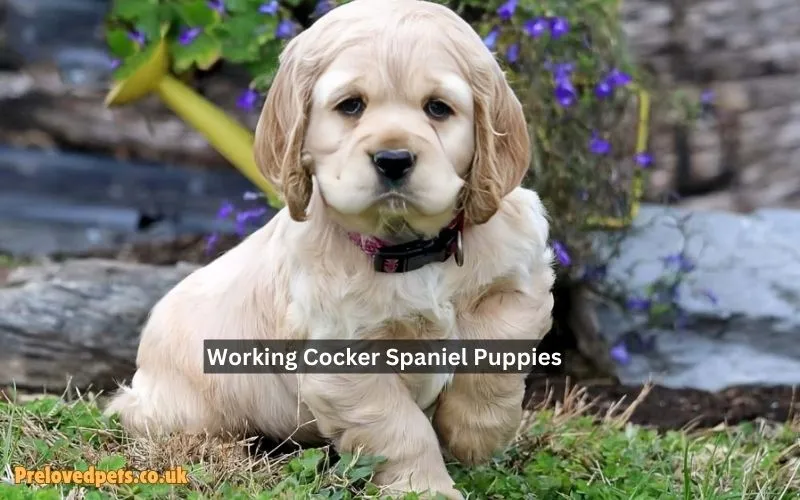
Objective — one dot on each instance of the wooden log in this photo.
(77, 323)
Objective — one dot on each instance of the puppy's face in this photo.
(402, 116)
(390, 137)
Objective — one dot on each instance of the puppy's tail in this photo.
(158, 405)
(135, 410)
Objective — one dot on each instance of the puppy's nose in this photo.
(393, 164)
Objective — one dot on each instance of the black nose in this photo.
(393, 164)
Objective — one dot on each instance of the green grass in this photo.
(560, 453)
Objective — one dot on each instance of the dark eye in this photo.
(351, 107)
(437, 110)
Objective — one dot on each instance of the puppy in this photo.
(388, 122)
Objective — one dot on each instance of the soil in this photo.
(666, 409)
(663, 408)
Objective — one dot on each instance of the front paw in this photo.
(473, 433)
(444, 492)
(425, 480)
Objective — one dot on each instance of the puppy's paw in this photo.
(441, 493)
(472, 433)
(424, 481)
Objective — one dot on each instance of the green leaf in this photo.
(150, 24)
(203, 52)
(132, 9)
(111, 462)
(240, 37)
(265, 31)
(243, 27)
(238, 52)
(134, 62)
(120, 43)
(264, 67)
(243, 6)
(196, 13)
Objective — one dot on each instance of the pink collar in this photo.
(415, 254)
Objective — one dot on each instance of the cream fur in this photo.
(300, 276)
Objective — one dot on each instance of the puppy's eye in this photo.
(437, 110)
(351, 107)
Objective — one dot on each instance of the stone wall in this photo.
(747, 52)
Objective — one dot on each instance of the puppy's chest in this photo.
(420, 307)
(410, 306)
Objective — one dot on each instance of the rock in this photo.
(740, 303)
(77, 321)
(72, 203)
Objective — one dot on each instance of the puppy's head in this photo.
(400, 113)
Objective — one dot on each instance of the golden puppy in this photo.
(388, 120)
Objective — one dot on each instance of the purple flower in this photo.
(680, 261)
(188, 35)
(138, 37)
(217, 5)
(603, 89)
(285, 29)
(637, 304)
(506, 11)
(270, 8)
(225, 210)
(115, 63)
(535, 27)
(617, 78)
(598, 145)
(565, 92)
(558, 27)
(247, 101)
(211, 242)
(644, 160)
(561, 253)
(619, 353)
(491, 39)
(512, 53)
(323, 7)
(560, 71)
(707, 97)
(246, 216)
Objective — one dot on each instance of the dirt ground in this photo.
(663, 408)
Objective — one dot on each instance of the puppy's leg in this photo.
(374, 414)
(478, 414)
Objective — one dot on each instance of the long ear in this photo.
(502, 148)
(281, 130)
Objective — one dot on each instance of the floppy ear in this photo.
(281, 130)
(502, 148)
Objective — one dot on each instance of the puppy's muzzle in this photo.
(394, 164)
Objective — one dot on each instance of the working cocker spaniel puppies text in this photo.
(388, 122)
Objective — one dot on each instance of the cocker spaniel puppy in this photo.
(388, 123)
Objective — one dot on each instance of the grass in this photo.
(560, 453)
